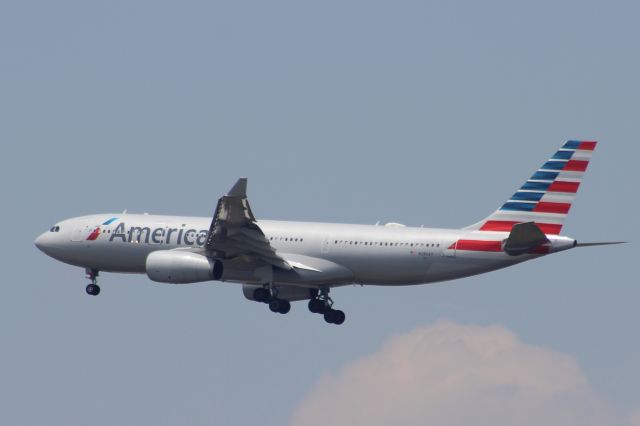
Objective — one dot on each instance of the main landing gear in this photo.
(320, 303)
(323, 304)
(93, 288)
(269, 296)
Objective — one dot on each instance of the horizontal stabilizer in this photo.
(602, 243)
(523, 238)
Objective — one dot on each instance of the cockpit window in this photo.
(54, 229)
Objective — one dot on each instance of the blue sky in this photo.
(416, 112)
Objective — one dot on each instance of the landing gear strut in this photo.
(93, 288)
(269, 295)
(323, 304)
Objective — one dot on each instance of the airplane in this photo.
(279, 262)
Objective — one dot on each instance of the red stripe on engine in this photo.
(478, 245)
(575, 166)
(548, 207)
(561, 186)
(587, 145)
(506, 225)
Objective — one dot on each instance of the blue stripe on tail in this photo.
(536, 186)
(519, 207)
(527, 196)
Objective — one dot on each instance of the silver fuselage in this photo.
(339, 254)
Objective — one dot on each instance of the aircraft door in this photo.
(451, 250)
(324, 248)
(79, 230)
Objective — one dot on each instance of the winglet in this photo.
(239, 189)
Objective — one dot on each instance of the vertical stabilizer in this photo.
(548, 194)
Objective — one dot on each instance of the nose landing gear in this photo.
(93, 289)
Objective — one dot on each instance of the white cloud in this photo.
(451, 374)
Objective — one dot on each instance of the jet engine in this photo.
(182, 267)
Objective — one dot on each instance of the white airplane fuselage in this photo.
(279, 262)
(368, 254)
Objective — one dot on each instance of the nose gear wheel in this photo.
(93, 289)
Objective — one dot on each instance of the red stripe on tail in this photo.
(506, 225)
(561, 186)
(550, 228)
(587, 145)
(548, 207)
(575, 166)
(498, 225)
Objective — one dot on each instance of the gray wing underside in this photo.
(234, 231)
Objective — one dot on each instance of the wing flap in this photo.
(234, 231)
(298, 265)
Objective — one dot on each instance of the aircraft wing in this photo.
(234, 231)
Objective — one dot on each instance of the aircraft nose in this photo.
(43, 242)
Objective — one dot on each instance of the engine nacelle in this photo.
(290, 293)
(182, 267)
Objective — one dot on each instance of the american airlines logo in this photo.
(160, 235)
